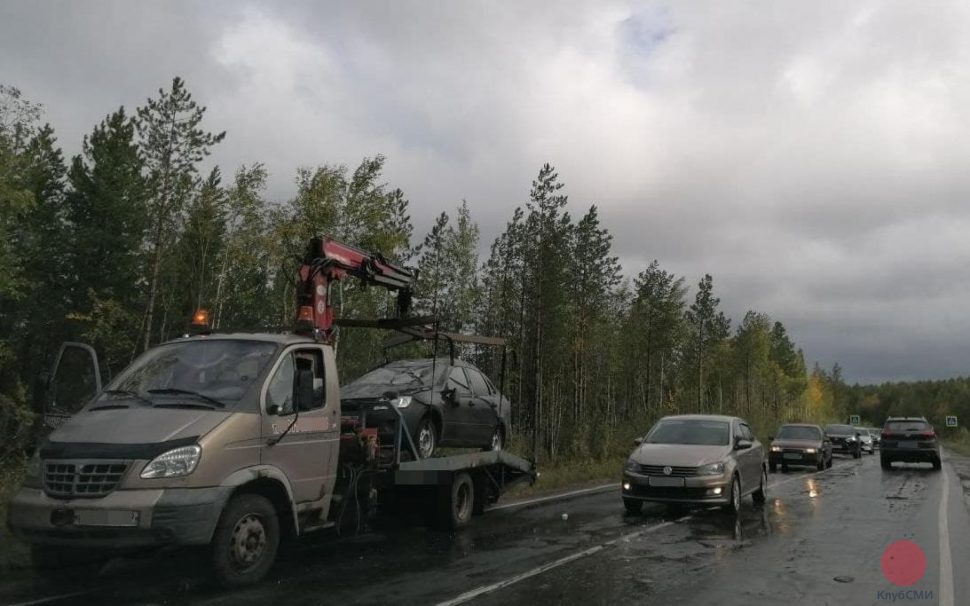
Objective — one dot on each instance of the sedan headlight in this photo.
(850, 439)
(810, 451)
(631, 465)
(776, 449)
(402, 402)
(175, 463)
(711, 469)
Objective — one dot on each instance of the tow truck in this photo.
(236, 441)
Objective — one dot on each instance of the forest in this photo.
(117, 245)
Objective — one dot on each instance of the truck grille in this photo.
(82, 479)
(675, 472)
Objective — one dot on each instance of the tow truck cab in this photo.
(231, 441)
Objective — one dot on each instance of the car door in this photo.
(302, 444)
(485, 407)
(458, 428)
(756, 455)
(745, 457)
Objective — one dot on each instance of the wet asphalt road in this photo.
(818, 540)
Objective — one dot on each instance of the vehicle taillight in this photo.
(886, 435)
(927, 434)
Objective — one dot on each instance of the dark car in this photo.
(845, 439)
(911, 440)
(800, 444)
(458, 406)
(696, 460)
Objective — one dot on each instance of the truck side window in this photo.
(280, 391)
(312, 359)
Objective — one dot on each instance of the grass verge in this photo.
(557, 477)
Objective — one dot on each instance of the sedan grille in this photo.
(675, 472)
(73, 479)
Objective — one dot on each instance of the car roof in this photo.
(801, 425)
(906, 419)
(696, 417)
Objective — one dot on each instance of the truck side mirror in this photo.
(303, 390)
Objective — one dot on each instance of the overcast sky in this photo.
(811, 156)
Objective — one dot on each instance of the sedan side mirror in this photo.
(637, 441)
(742, 444)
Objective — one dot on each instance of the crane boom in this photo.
(327, 261)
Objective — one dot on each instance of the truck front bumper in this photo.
(120, 520)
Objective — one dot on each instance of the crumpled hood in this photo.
(142, 425)
(679, 455)
(371, 391)
(789, 443)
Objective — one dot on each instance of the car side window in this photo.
(738, 432)
(280, 391)
(458, 381)
(478, 384)
(746, 432)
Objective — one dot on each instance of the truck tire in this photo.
(246, 540)
(456, 503)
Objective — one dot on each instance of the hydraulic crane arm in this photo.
(327, 261)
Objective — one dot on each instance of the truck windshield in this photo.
(218, 369)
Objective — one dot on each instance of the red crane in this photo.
(327, 261)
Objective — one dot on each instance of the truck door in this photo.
(303, 444)
(75, 378)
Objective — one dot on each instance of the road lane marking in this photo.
(946, 558)
(557, 497)
(53, 598)
(480, 591)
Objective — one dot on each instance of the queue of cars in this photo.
(718, 460)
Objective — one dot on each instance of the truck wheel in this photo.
(246, 540)
(427, 440)
(456, 503)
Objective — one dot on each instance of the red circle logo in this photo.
(903, 563)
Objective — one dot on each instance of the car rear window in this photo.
(795, 432)
(907, 426)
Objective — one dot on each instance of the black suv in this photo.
(911, 440)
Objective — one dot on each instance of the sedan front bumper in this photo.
(795, 458)
(702, 490)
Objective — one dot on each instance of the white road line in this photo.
(556, 497)
(474, 593)
(946, 558)
(53, 598)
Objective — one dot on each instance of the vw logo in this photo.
(668, 470)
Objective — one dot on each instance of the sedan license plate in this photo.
(791, 455)
(907, 444)
(664, 481)
(103, 517)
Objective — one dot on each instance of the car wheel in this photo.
(885, 462)
(937, 464)
(856, 454)
(761, 495)
(734, 506)
(773, 467)
(784, 468)
(246, 540)
(498, 439)
(821, 464)
(829, 464)
(632, 506)
(426, 438)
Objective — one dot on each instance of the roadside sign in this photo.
(855, 420)
(951, 421)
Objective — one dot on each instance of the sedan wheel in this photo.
(761, 495)
(427, 439)
(735, 505)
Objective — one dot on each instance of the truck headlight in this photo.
(175, 463)
(711, 469)
(402, 402)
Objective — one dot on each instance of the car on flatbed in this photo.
(845, 439)
(909, 440)
(696, 460)
(444, 402)
(801, 445)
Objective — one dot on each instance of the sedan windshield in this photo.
(205, 371)
(405, 375)
(690, 431)
(840, 430)
(795, 432)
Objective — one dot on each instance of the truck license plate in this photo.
(103, 517)
(663, 481)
